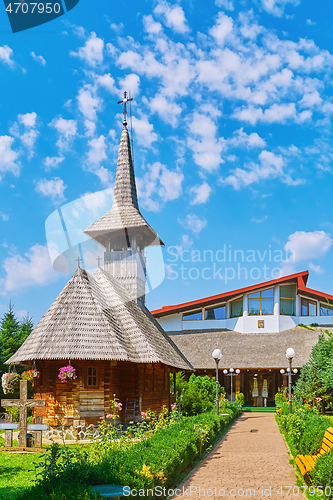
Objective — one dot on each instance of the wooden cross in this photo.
(124, 102)
(23, 403)
(78, 260)
(99, 260)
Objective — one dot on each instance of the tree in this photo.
(13, 333)
(316, 379)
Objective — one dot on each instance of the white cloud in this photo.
(193, 223)
(159, 180)
(317, 269)
(6, 54)
(276, 7)
(8, 157)
(271, 166)
(53, 161)
(201, 193)
(118, 28)
(241, 138)
(92, 52)
(88, 102)
(151, 26)
(4, 217)
(90, 128)
(28, 271)
(67, 130)
(97, 151)
(303, 247)
(107, 81)
(277, 113)
(144, 131)
(28, 119)
(206, 148)
(173, 17)
(226, 4)
(169, 111)
(39, 59)
(53, 188)
(222, 29)
(171, 184)
(29, 134)
(130, 83)
(310, 23)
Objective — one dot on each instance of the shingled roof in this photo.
(124, 216)
(93, 318)
(264, 350)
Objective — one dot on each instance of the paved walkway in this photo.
(250, 462)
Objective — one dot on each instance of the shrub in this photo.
(240, 398)
(322, 473)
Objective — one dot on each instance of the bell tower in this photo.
(123, 231)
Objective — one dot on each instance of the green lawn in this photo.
(16, 472)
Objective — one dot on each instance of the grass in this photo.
(16, 472)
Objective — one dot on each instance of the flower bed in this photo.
(159, 458)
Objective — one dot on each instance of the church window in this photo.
(309, 307)
(92, 376)
(326, 310)
(193, 315)
(261, 303)
(236, 308)
(215, 312)
(288, 300)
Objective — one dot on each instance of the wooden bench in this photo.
(306, 463)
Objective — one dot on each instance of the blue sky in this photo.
(232, 140)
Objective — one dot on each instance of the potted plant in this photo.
(10, 382)
(67, 373)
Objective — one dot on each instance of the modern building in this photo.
(252, 327)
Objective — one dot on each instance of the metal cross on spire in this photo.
(124, 101)
(99, 261)
(78, 260)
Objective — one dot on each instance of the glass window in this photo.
(288, 300)
(92, 376)
(309, 307)
(236, 308)
(215, 312)
(193, 315)
(326, 310)
(261, 303)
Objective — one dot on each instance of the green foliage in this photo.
(240, 398)
(322, 473)
(197, 395)
(316, 379)
(159, 460)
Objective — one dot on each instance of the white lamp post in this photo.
(232, 373)
(217, 355)
(290, 353)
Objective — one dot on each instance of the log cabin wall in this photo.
(87, 398)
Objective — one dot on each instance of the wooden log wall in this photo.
(76, 403)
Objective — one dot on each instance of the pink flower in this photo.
(91, 425)
(101, 418)
(143, 414)
(110, 415)
(131, 422)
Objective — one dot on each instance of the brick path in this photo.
(250, 462)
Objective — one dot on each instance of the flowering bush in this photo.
(10, 382)
(29, 375)
(67, 372)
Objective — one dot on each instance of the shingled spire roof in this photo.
(92, 318)
(124, 216)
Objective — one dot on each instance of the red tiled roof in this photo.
(299, 278)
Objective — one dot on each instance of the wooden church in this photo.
(99, 323)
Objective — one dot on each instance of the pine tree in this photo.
(13, 333)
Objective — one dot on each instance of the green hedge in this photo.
(304, 430)
(159, 460)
